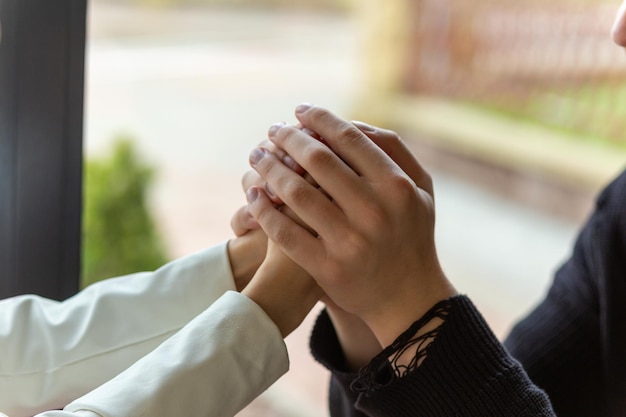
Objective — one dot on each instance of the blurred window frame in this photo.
(42, 61)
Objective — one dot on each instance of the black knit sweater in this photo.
(466, 372)
(573, 344)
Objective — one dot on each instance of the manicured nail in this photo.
(364, 126)
(256, 155)
(303, 107)
(275, 128)
(252, 194)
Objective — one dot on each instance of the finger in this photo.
(325, 167)
(252, 178)
(346, 140)
(282, 155)
(287, 160)
(293, 216)
(391, 143)
(242, 222)
(310, 205)
(295, 241)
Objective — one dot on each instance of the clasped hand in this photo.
(366, 234)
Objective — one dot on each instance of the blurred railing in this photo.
(549, 61)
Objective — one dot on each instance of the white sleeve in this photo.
(213, 367)
(53, 352)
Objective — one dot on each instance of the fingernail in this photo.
(252, 194)
(363, 126)
(303, 107)
(256, 155)
(275, 128)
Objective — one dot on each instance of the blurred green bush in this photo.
(119, 234)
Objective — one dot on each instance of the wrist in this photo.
(407, 308)
(284, 291)
(245, 254)
(357, 341)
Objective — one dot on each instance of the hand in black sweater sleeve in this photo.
(466, 372)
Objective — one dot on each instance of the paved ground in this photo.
(198, 89)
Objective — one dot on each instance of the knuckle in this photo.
(319, 115)
(284, 135)
(280, 154)
(406, 193)
(394, 137)
(390, 134)
(297, 193)
(266, 168)
(403, 185)
(423, 180)
(319, 157)
(397, 193)
(348, 134)
(284, 238)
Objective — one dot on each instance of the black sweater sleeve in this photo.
(466, 372)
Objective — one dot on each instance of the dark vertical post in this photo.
(42, 60)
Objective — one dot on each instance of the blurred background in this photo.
(516, 107)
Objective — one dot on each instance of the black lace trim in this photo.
(384, 368)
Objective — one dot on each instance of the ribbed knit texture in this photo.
(573, 345)
(466, 372)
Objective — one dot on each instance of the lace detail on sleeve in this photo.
(391, 363)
